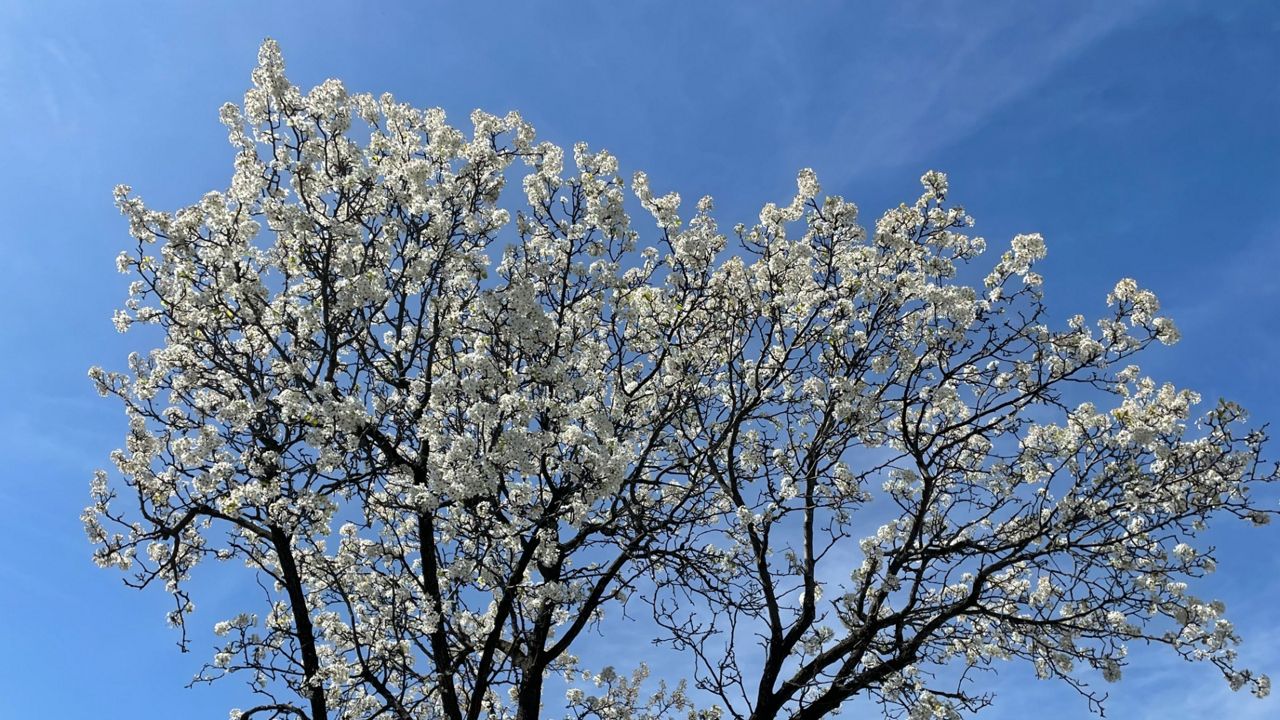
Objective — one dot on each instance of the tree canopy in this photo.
(452, 435)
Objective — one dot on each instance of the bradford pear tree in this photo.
(456, 444)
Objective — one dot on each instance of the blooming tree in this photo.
(448, 440)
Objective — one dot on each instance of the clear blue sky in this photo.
(1141, 138)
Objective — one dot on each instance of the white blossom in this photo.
(453, 427)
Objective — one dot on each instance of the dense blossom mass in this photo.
(811, 461)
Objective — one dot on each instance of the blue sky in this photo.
(1141, 138)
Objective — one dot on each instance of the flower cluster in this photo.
(451, 436)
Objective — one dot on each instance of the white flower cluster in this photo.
(450, 436)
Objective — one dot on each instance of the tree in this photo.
(447, 447)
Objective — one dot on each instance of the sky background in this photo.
(1141, 138)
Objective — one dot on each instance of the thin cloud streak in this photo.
(911, 107)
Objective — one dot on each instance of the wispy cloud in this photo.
(932, 75)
